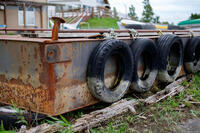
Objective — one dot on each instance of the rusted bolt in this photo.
(57, 22)
(51, 53)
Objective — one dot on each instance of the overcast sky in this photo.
(168, 10)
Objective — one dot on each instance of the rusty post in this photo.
(57, 22)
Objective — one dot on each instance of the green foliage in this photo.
(2, 129)
(112, 129)
(165, 23)
(11, 33)
(195, 113)
(156, 19)
(184, 83)
(63, 122)
(10, 131)
(147, 14)
(19, 114)
(76, 115)
(2, 126)
(132, 13)
(101, 23)
(194, 16)
(130, 118)
(195, 87)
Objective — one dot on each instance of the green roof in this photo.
(188, 22)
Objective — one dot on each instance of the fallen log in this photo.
(170, 90)
(93, 119)
(90, 120)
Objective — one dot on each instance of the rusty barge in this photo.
(49, 76)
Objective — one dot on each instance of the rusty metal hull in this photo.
(47, 77)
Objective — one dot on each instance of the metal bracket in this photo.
(133, 33)
(55, 53)
(110, 35)
(160, 32)
(191, 33)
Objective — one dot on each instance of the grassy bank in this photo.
(100, 23)
(165, 116)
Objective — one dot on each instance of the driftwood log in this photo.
(170, 90)
(93, 119)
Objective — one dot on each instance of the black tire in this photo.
(192, 55)
(96, 65)
(144, 49)
(170, 49)
(11, 119)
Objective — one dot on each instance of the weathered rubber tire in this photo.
(96, 65)
(147, 49)
(11, 119)
(169, 46)
(192, 55)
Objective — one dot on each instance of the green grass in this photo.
(2, 129)
(101, 23)
(164, 116)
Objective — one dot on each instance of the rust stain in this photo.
(51, 82)
(25, 96)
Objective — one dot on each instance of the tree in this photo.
(115, 12)
(194, 16)
(165, 22)
(132, 13)
(156, 19)
(147, 12)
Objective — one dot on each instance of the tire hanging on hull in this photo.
(170, 54)
(145, 53)
(192, 55)
(96, 66)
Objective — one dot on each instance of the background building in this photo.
(24, 13)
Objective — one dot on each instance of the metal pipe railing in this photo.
(93, 30)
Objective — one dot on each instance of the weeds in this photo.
(63, 122)
(112, 129)
(2, 129)
(195, 113)
(2, 126)
(19, 114)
